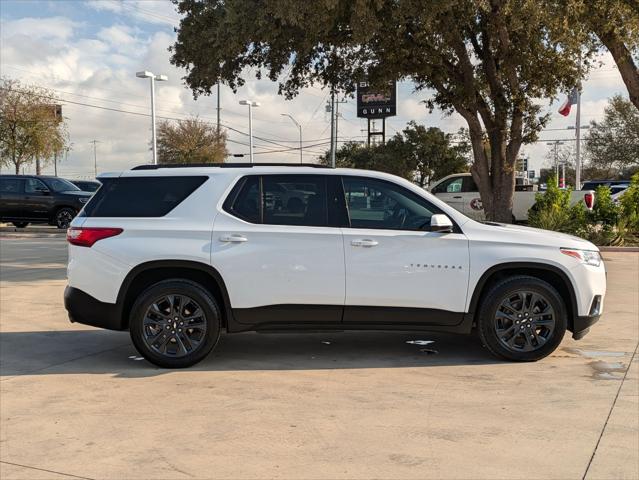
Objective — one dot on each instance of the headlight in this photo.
(589, 257)
(84, 200)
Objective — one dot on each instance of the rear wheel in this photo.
(175, 323)
(20, 224)
(63, 217)
(522, 319)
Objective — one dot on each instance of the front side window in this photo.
(379, 204)
(294, 200)
(452, 185)
(33, 185)
(61, 185)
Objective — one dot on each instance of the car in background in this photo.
(617, 191)
(460, 192)
(593, 184)
(87, 185)
(26, 199)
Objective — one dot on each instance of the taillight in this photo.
(589, 200)
(86, 237)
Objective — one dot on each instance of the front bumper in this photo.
(581, 324)
(85, 309)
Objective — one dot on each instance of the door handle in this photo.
(458, 196)
(364, 242)
(235, 238)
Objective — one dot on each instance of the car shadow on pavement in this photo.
(105, 352)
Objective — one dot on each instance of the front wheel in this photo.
(522, 319)
(175, 323)
(63, 217)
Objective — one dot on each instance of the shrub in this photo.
(552, 211)
(630, 205)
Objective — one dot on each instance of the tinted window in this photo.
(452, 185)
(383, 205)
(33, 185)
(140, 196)
(294, 200)
(245, 202)
(60, 185)
(10, 185)
(469, 185)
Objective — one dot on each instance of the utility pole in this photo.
(218, 109)
(95, 157)
(556, 144)
(333, 129)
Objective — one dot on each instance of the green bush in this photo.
(552, 211)
(630, 205)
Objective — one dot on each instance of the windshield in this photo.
(60, 185)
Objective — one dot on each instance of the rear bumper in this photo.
(85, 309)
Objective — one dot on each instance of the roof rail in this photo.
(226, 165)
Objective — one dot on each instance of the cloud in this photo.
(40, 28)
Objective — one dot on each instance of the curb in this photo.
(619, 249)
(32, 230)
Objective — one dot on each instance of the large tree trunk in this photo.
(38, 166)
(625, 63)
(17, 164)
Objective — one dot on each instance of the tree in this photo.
(431, 152)
(490, 61)
(30, 128)
(418, 154)
(190, 141)
(612, 145)
(615, 23)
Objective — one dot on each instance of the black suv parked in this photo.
(87, 185)
(28, 199)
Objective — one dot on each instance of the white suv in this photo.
(176, 255)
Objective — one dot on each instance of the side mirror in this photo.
(441, 223)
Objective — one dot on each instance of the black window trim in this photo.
(436, 210)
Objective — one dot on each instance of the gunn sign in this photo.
(376, 103)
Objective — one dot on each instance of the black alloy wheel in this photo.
(63, 217)
(522, 318)
(175, 323)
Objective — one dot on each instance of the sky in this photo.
(88, 53)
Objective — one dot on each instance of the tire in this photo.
(63, 217)
(20, 224)
(155, 323)
(522, 319)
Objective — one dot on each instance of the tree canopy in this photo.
(190, 141)
(612, 145)
(490, 61)
(418, 154)
(30, 127)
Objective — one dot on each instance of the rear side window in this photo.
(141, 196)
(294, 200)
(10, 185)
(281, 200)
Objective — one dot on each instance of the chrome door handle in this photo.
(364, 242)
(458, 197)
(235, 238)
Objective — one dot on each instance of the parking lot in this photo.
(78, 402)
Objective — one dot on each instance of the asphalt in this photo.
(77, 402)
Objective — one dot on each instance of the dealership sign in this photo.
(377, 102)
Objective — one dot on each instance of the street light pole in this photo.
(300, 129)
(153, 78)
(556, 144)
(250, 104)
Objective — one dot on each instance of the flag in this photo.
(570, 101)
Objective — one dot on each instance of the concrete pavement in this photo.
(79, 402)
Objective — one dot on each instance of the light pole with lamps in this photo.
(154, 78)
(250, 104)
(300, 128)
(556, 144)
